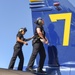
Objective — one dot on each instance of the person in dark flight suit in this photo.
(39, 37)
(18, 49)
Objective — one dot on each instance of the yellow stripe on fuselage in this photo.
(35, 0)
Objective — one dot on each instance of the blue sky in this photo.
(14, 14)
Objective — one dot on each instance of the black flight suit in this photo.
(37, 48)
(18, 52)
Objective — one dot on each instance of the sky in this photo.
(15, 14)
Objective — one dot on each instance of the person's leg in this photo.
(33, 56)
(12, 62)
(42, 58)
(21, 57)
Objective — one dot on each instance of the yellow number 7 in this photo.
(67, 18)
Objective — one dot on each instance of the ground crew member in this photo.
(39, 37)
(20, 40)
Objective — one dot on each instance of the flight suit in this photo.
(37, 48)
(18, 52)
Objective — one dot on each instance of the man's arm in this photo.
(29, 38)
(21, 41)
(40, 33)
(41, 36)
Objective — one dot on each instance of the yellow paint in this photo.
(67, 18)
(35, 0)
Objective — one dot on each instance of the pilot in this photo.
(38, 40)
(20, 40)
